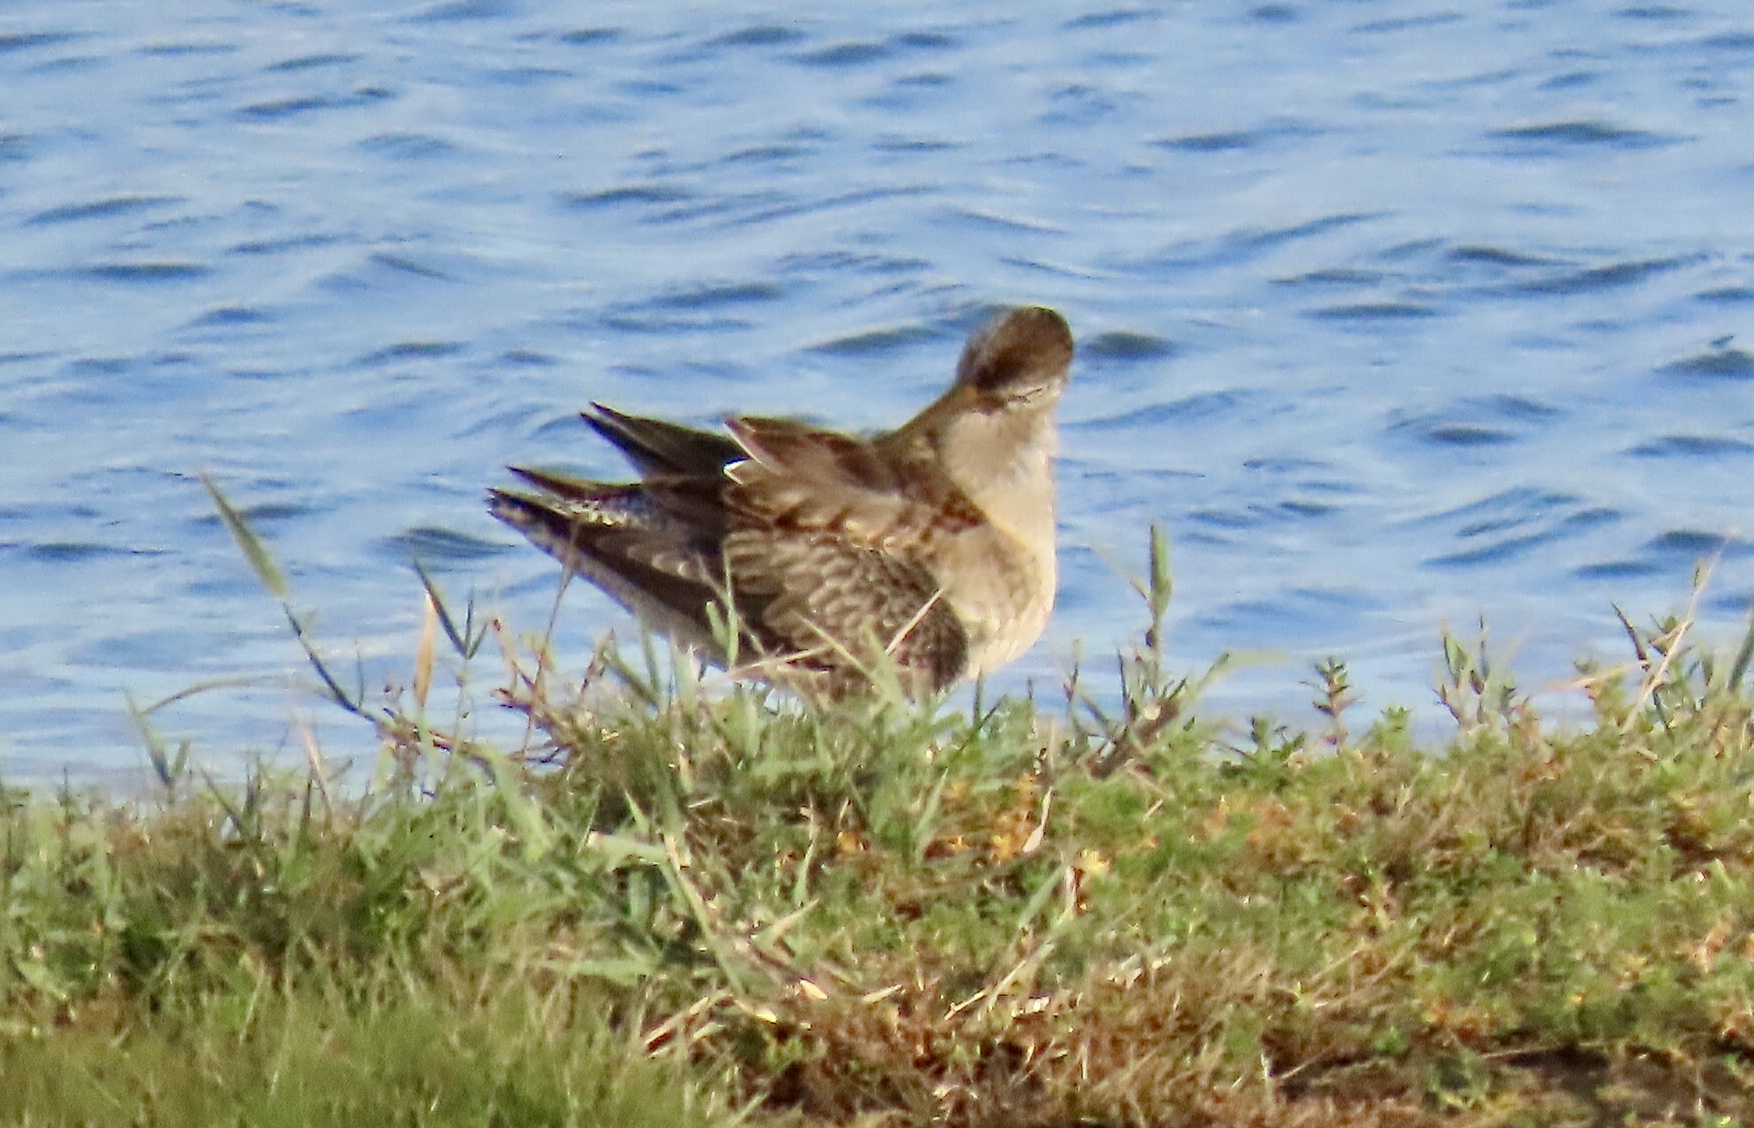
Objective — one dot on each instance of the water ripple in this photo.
(1723, 362)
(1609, 276)
(1691, 545)
(1374, 311)
(232, 315)
(581, 35)
(1691, 446)
(279, 108)
(1113, 18)
(1189, 409)
(1729, 41)
(1122, 346)
(709, 296)
(758, 35)
(884, 340)
(1409, 23)
(1235, 140)
(1496, 256)
(101, 209)
(845, 54)
(650, 193)
(410, 350)
(1275, 13)
(1508, 524)
(1334, 276)
(453, 11)
(439, 546)
(1484, 422)
(145, 272)
(1659, 13)
(1242, 244)
(406, 146)
(1559, 134)
(23, 40)
(311, 62)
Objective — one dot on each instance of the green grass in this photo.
(297, 1058)
(692, 903)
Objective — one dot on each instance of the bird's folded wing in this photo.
(800, 477)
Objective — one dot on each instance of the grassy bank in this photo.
(692, 904)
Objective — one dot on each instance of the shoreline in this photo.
(713, 906)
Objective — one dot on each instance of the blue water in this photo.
(1392, 312)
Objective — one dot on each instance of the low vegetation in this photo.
(687, 902)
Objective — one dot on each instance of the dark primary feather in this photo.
(624, 539)
(657, 446)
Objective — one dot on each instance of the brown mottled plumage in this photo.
(933, 543)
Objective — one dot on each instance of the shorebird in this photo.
(828, 555)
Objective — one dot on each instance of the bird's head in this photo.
(1018, 361)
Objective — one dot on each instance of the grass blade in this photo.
(464, 641)
(1744, 654)
(261, 560)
